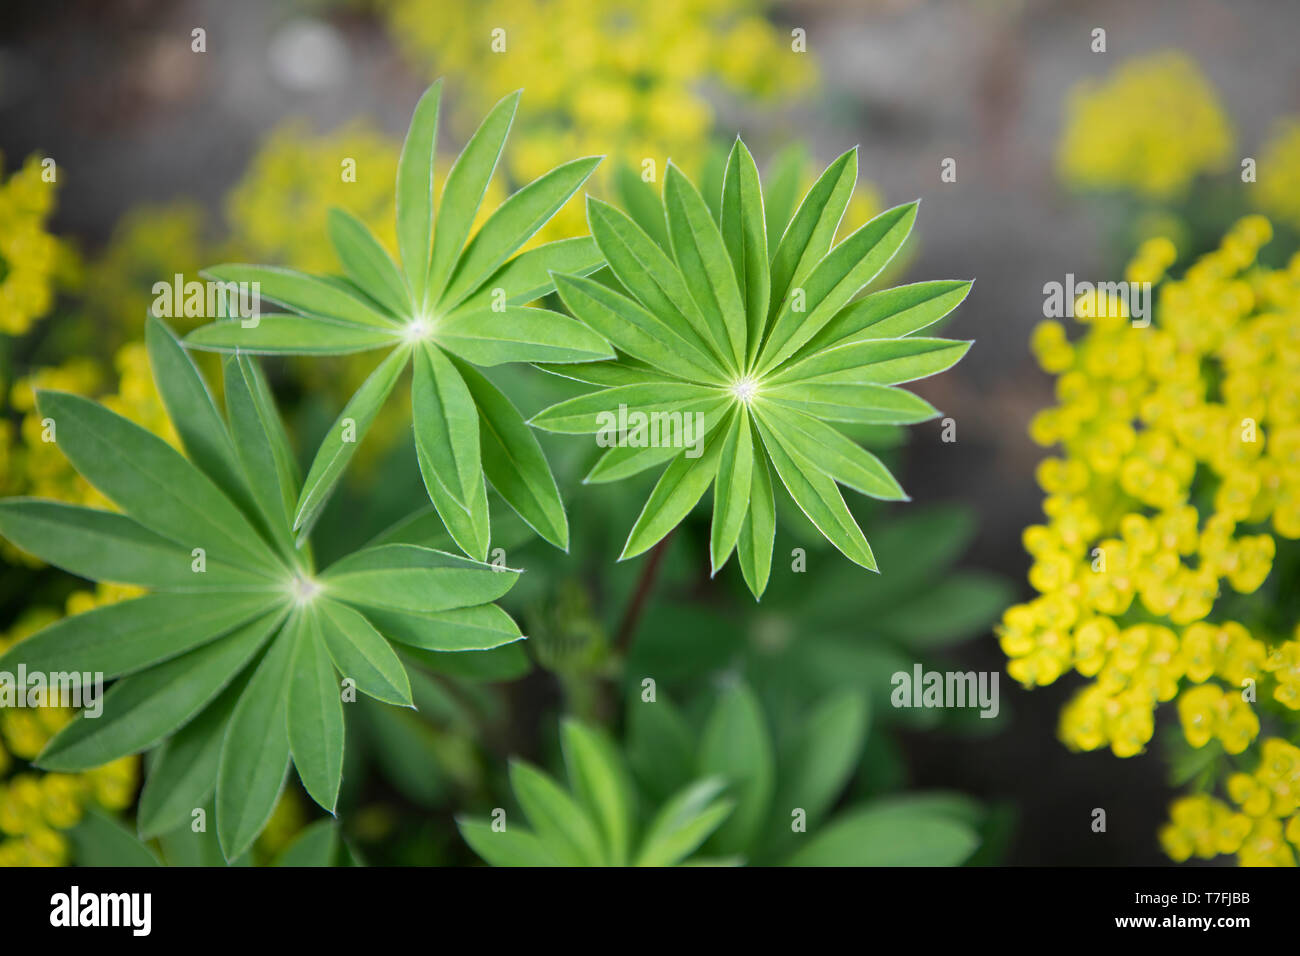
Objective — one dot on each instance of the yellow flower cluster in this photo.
(150, 243)
(278, 210)
(32, 262)
(619, 78)
(1263, 828)
(1182, 453)
(36, 808)
(1180, 482)
(1277, 187)
(1153, 126)
(36, 467)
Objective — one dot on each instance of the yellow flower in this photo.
(32, 262)
(1277, 186)
(1152, 127)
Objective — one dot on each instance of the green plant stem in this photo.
(641, 595)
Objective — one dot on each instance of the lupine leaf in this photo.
(290, 335)
(192, 411)
(184, 771)
(835, 280)
(304, 293)
(151, 481)
(556, 818)
(108, 546)
(513, 846)
(706, 267)
(514, 463)
(834, 453)
(850, 402)
(345, 434)
(415, 191)
(633, 330)
(766, 326)
(406, 577)
(736, 747)
(471, 530)
(888, 837)
(600, 779)
(811, 231)
(262, 447)
(820, 760)
(367, 263)
(255, 753)
(679, 488)
(684, 823)
(745, 234)
(142, 709)
(818, 497)
(463, 192)
(446, 424)
(315, 716)
(477, 628)
(361, 654)
(645, 270)
(587, 414)
(876, 361)
(889, 313)
(731, 496)
(758, 530)
(518, 334)
(513, 223)
(123, 638)
(527, 276)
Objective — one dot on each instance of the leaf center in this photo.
(305, 589)
(745, 389)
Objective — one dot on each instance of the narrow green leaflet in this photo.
(742, 317)
(684, 823)
(341, 440)
(446, 425)
(679, 488)
(315, 715)
(415, 191)
(601, 780)
(140, 710)
(184, 770)
(731, 498)
(593, 822)
(559, 822)
(255, 753)
(736, 746)
(463, 296)
(889, 836)
(745, 234)
(362, 655)
(367, 262)
(513, 460)
(819, 499)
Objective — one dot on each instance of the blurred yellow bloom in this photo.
(1152, 126)
(31, 260)
(1277, 187)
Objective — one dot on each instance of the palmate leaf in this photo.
(235, 662)
(459, 299)
(761, 343)
(595, 820)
